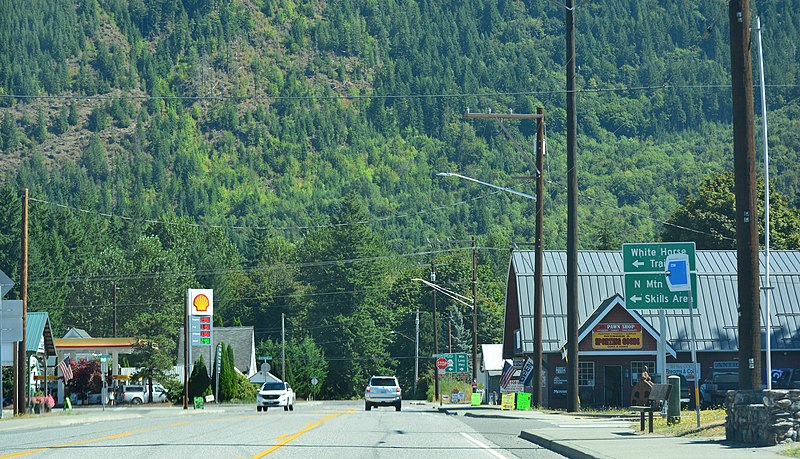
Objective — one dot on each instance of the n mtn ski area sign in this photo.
(645, 275)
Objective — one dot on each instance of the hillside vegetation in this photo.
(284, 153)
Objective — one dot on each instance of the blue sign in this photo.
(678, 272)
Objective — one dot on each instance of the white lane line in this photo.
(482, 445)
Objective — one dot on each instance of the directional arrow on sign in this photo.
(636, 298)
(5, 284)
(638, 263)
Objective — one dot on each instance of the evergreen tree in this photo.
(199, 382)
(9, 135)
(40, 129)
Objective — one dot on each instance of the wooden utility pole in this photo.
(538, 248)
(186, 338)
(539, 262)
(21, 377)
(744, 166)
(435, 333)
(573, 403)
(474, 310)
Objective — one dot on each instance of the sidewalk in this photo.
(582, 437)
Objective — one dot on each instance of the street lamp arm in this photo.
(518, 193)
(453, 295)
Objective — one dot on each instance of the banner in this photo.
(617, 336)
(526, 375)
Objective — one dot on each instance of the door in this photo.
(612, 383)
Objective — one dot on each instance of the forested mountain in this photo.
(284, 153)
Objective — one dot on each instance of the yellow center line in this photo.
(293, 436)
(112, 437)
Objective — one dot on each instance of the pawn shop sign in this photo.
(200, 302)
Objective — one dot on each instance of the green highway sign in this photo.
(456, 362)
(645, 276)
(650, 257)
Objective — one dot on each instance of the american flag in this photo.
(508, 373)
(65, 369)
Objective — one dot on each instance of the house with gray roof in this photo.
(243, 341)
(616, 342)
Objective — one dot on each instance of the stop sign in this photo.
(441, 363)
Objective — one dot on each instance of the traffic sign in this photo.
(441, 363)
(11, 324)
(5, 284)
(645, 266)
(314, 381)
(456, 362)
(678, 272)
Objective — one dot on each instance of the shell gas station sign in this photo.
(200, 304)
(617, 336)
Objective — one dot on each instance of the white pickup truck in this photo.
(275, 394)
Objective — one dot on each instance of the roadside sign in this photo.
(678, 272)
(456, 362)
(201, 302)
(5, 284)
(441, 363)
(200, 330)
(645, 266)
(314, 381)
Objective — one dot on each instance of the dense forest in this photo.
(284, 153)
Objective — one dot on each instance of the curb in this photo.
(560, 448)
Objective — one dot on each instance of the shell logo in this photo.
(201, 303)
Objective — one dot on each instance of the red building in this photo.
(616, 342)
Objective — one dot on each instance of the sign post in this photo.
(677, 274)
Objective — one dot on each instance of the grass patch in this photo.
(712, 424)
(792, 451)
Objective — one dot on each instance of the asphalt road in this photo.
(318, 429)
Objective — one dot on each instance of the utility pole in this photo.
(186, 337)
(435, 333)
(115, 309)
(745, 187)
(537, 282)
(474, 310)
(283, 348)
(573, 403)
(21, 377)
(416, 356)
(539, 262)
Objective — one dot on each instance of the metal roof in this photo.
(37, 325)
(242, 339)
(601, 276)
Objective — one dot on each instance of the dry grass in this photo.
(792, 451)
(712, 424)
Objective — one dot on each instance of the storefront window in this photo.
(586, 374)
(638, 367)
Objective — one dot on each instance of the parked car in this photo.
(786, 378)
(713, 391)
(275, 394)
(383, 391)
(136, 394)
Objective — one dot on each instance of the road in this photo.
(318, 429)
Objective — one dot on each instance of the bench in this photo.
(657, 395)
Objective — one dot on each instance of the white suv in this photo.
(383, 391)
(275, 394)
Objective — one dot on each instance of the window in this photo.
(586, 374)
(638, 367)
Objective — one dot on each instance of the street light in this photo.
(518, 193)
(537, 307)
